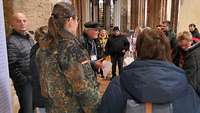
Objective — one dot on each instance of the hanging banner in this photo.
(5, 96)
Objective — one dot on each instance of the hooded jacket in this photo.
(152, 81)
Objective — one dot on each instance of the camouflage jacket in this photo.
(67, 79)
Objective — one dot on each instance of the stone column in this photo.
(95, 7)
(117, 13)
(129, 14)
(8, 11)
(163, 10)
(124, 15)
(134, 13)
(82, 7)
(85, 10)
(174, 14)
(78, 6)
(141, 13)
(107, 14)
(156, 12)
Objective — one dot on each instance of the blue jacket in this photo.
(151, 81)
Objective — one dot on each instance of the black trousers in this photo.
(117, 61)
(24, 93)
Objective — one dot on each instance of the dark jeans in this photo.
(24, 93)
(117, 60)
(38, 99)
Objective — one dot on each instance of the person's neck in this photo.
(70, 31)
(20, 32)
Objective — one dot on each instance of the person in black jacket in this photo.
(195, 32)
(151, 78)
(38, 99)
(191, 62)
(19, 45)
(116, 47)
(171, 35)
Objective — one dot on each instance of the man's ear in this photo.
(69, 21)
(66, 22)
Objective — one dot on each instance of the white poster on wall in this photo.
(5, 96)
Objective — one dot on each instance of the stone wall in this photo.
(37, 11)
(189, 13)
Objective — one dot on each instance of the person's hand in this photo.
(98, 64)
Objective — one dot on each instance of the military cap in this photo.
(91, 24)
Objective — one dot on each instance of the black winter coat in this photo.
(195, 34)
(38, 99)
(116, 44)
(19, 47)
(174, 46)
(192, 66)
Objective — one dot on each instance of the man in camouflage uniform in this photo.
(67, 79)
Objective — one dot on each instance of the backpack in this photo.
(133, 106)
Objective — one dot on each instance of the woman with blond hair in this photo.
(103, 37)
(191, 56)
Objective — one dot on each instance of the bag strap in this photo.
(148, 107)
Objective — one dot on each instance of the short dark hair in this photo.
(116, 28)
(192, 25)
(167, 22)
(153, 44)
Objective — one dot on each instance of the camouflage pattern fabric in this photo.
(67, 79)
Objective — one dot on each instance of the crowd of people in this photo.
(57, 71)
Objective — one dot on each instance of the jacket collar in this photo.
(25, 35)
(67, 35)
(193, 47)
